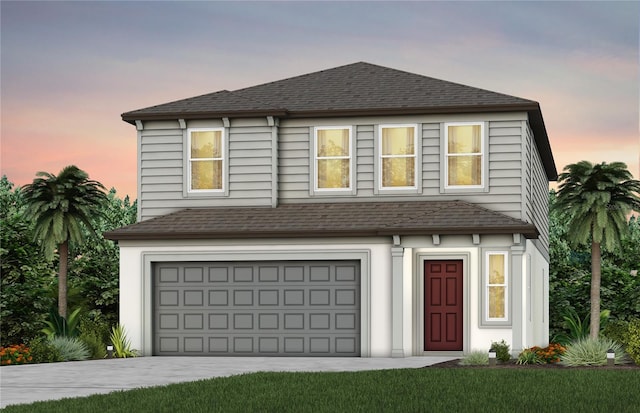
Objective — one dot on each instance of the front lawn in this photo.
(403, 390)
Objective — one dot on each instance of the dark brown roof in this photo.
(355, 89)
(326, 220)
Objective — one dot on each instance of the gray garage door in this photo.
(257, 308)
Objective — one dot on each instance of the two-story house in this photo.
(355, 211)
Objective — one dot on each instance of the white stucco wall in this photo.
(376, 289)
(135, 284)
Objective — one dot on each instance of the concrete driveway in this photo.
(35, 382)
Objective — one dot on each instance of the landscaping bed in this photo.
(513, 365)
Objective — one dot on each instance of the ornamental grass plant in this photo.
(475, 358)
(121, 344)
(70, 348)
(593, 352)
(529, 356)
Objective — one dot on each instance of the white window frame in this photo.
(222, 158)
(483, 154)
(496, 321)
(416, 151)
(332, 191)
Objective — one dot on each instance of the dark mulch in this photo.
(512, 365)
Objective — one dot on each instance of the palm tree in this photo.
(596, 201)
(58, 205)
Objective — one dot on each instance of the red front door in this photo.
(443, 305)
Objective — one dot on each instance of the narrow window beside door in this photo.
(496, 280)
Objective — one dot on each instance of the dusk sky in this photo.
(69, 69)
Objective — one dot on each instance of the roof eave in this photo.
(132, 117)
(419, 110)
(529, 231)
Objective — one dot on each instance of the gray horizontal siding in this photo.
(250, 163)
(365, 160)
(504, 157)
(431, 159)
(505, 167)
(162, 160)
(294, 170)
(540, 198)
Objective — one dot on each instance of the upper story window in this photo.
(464, 155)
(398, 145)
(206, 159)
(496, 287)
(333, 158)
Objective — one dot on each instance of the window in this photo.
(496, 287)
(397, 156)
(206, 159)
(333, 158)
(464, 149)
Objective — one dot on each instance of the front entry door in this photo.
(443, 305)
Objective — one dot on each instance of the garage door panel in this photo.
(262, 308)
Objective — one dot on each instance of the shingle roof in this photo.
(218, 104)
(355, 89)
(326, 219)
(361, 87)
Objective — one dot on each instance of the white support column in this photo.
(397, 319)
(517, 300)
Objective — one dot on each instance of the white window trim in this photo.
(348, 189)
(415, 156)
(223, 158)
(494, 321)
(484, 150)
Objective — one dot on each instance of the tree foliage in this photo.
(570, 273)
(29, 282)
(61, 207)
(26, 276)
(595, 201)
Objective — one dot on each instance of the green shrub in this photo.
(94, 332)
(70, 348)
(592, 352)
(121, 345)
(97, 348)
(95, 323)
(529, 356)
(43, 351)
(475, 358)
(615, 330)
(502, 350)
(631, 340)
(578, 328)
(58, 326)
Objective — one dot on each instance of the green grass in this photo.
(406, 390)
